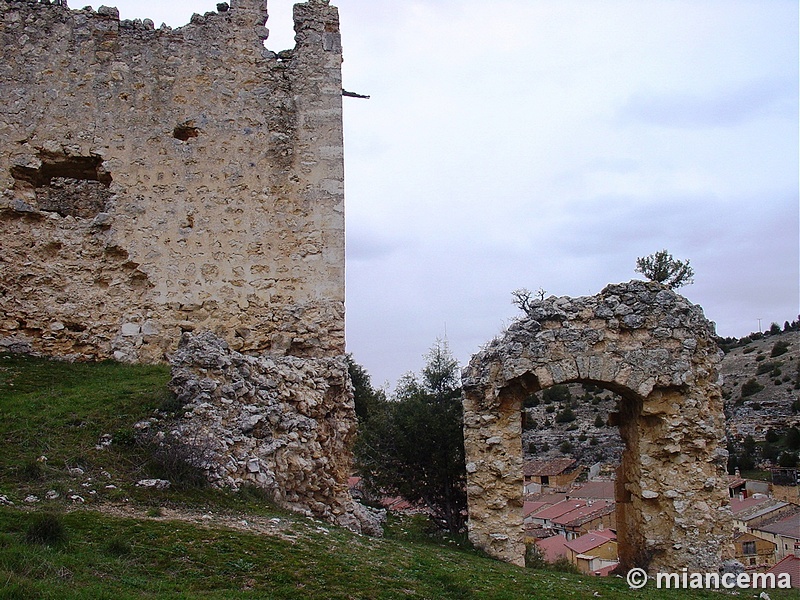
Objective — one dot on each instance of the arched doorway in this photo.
(656, 350)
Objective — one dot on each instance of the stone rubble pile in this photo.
(281, 423)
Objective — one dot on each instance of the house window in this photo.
(748, 548)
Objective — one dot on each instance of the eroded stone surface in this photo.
(657, 350)
(155, 181)
(281, 423)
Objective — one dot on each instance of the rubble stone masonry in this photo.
(657, 350)
(155, 181)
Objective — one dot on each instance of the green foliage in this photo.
(793, 438)
(366, 398)
(565, 416)
(750, 387)
(558, 393)
(599, 421)
(661, 267)
(413, 446)
(531, 401)
(787, 459)
(780, 347)
(565, 447)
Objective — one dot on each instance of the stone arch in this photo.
(655, 349)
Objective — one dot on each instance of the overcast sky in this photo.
(548, 144)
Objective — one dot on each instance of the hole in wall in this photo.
(74, 186)
(185, 131)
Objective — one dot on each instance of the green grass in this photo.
(58, 549)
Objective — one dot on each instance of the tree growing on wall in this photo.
(661, 267)
(413, 445)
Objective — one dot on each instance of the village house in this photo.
(786, 484)
(543, 517)
(593, 551)
(595, 514)
(784, 532)
(753, 551)
(737, 486)
(555, 473)
(750, 512)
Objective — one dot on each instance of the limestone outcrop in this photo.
(283, 424)
(657, 350)
(155, 181)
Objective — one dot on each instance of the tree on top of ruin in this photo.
(661, 267)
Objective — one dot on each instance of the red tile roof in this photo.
(586, 513)
(735, 481)
(556, 510)
(529, 507)
(590, 541)
(739, 506)
(790, 565)
(594, 489)
(548, 468)
(553, 548)
(785, 527)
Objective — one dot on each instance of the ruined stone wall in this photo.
(280, 423)
(156, 181)
(657, 350)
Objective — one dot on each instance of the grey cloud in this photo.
(727, 108)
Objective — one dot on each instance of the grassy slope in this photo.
(60, 411)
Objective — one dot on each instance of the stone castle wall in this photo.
(157, 181)
(657, 350)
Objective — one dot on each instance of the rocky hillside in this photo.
(761, 386)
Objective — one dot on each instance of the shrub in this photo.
(788, 459)
(557, 393)
(766, 368)
(181, 462)
(565, 447)
(46, 528)
(751, 387)
(780, 347)
(565, 416)
(531, 401)
(564, 566)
